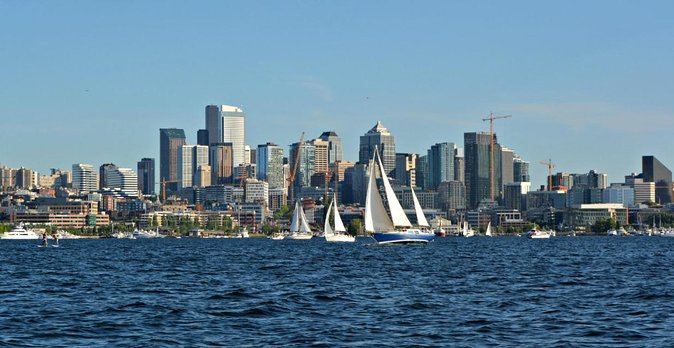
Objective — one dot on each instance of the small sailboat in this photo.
(339, 233)
(299, 228)
(467, 232)
(488, 231)
(395, 228)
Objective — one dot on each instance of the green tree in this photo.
(155, 221)
(283, 213)
(603, 225)
(355, 226)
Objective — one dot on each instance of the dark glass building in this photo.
(478, 167)
(655, 171)
(170, 139)
(146, 176)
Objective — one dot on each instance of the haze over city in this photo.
(588, 84)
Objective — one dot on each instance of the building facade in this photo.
(170, 140)
(381, 139)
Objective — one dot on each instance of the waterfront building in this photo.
(380, 138)
(256, 191)
(440, 164)
(220, 160)
(103, 172)
(586, 215)
(478, 169)
(227, 124)
(545, 199)
(654, 171)
(277, 198)
(405, 172)
(170, 140)
(618, 194)
(334, 146)
(85, 178)
(124, 179)
(270, 165)
(146, 176)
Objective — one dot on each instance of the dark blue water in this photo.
(255, 292)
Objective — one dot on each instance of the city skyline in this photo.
(592, 95)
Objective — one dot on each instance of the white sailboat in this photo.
(488, 231)
(339, 233)
(299, 228)
(467, 232)
(395, 228)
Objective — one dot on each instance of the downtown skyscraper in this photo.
(227, 124)
(170, 140)
(270, 165)
(380, 138)
(440, 164)
(146, 178)
(478, 170)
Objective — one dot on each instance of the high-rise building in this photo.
(507, 165)
(514, 195)
(643, 191)
(451, 195)
(440, 164)
(170, 139)
(146, 176)
(85, 177)
(103, 171)
(421, 172)
(321, 152)
(270, 165)
(220, 159)
(202, 137)
(306, 166)
(23, 178)
(406, 169)
(521, 170)
(459, 165)
(202, 176)
(124, 179)
(256, 191)
(6, 177)
(655, 171)
(190, 158)
(380, 138)
(227, 124)
(618, 193)
(334, 146)
(478, 167)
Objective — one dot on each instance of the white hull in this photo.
(19, 235)
(299, 236)
(277, 237)
(340, 238)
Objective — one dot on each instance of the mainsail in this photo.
(421, 218)
(295, 224)
(398, 215)
(376, 218)
(339, 225)
(327, 230)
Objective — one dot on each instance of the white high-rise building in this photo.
(190, 158)
(85, 177)
(124, 179)
(227, 124)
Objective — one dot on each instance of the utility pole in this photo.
(550, 166)
(491, 119)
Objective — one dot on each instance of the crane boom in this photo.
(491, 119)
(293, 173)
(550, 166)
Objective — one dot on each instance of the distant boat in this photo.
(299, 228)
(19, 232)
(612, 233)
(467, 232)
(396, 228)
(488, 231)
(538, 234)
(339, 233)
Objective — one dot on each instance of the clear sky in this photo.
(589, 83)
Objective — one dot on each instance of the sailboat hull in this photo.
(340, 238)
(404, 237)
(299, 236)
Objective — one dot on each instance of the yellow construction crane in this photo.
(550, 166)
(491, 119)
(293, 172)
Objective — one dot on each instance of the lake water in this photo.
(581, 291)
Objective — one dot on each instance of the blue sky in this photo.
(589, 83)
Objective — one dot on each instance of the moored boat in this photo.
(339, 233)
(20, 232)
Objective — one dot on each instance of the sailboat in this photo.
(395, 228)
(467, 232)
(339, 233)
(488, 231)
(299, 228)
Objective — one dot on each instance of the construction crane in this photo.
(293, 173)
(550, 166)
(491, 119)
(163, 188)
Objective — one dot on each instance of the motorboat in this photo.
(538, 234)
(20, 232)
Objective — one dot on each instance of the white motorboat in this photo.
(339, 233)
(20, 232)
(538, 234)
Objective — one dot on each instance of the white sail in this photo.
(397, 213)
(339, 225)
(327, 230)
(376, 217)
(488, 232)
(304, 226)
(295, 224)
(421, 218)
(465, 228)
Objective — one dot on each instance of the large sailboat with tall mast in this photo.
(392, 226)
(299, 228)
(338, 234)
